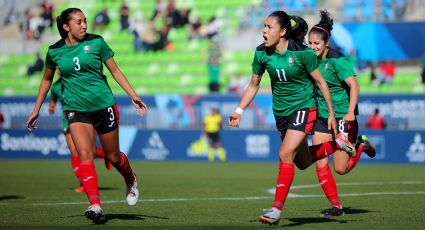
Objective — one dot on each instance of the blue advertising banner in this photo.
(190, 145)
(378, 41)
(181, 111)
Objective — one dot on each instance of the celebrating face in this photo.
(272, 32)
(317, 43)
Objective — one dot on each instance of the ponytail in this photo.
(64, 18)
(324, 27)
(299, 29)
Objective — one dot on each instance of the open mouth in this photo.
(264, 38)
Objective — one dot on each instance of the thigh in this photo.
(293, 142)
(82, 136)
(110, 142)
(303, 157)
(70, 143)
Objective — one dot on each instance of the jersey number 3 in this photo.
(283, 74)
(77, 63)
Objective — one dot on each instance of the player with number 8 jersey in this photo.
(344, 88)
(88, 103)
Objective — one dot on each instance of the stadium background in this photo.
(174, 80)
(180, 188)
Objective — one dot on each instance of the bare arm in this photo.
(123, 82)
(323, 86)
(247, 97)
(354, 98)
(52, 106)
(46, 83)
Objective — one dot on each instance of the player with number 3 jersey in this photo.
(88, 102)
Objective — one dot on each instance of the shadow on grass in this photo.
(109, 217)
(350, 211)
(10, 197)
(309, 220)
(132, 217)
(317, 220)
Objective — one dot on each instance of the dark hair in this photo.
(299, 28)
(283, 20)
(64, 18)
(324, 27)
(296, 32)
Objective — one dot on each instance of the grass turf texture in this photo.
(188, 195)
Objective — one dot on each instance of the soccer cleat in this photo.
(369, 149)
(79, 189)
(271, 216)
(334, 211)
(345, 144)
(132, 193)
(95, 213)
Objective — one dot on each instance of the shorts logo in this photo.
(87, 49)
(71, 115)
(326, 66)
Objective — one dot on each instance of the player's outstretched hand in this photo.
(141, 107)
(31, 121)
(234, 120)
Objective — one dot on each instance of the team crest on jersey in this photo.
(291, 60)
(326, 66)
(87, 49)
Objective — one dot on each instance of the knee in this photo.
(286, 156)
(113, 157)
(340, 170)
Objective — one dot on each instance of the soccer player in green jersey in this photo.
(88, 102)
(55, 96)
(292, 74)
(341, 78)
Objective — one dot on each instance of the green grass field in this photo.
(181, 195)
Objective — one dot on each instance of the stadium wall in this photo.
(171, 130)
(189, 145)
(402, 112)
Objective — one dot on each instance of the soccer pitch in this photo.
(189, 195)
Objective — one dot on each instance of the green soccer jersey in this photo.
(56, 94)
(335, 68)
(291, 83)
(85, 88)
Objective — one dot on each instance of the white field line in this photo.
(295, 187)
(290, 195)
